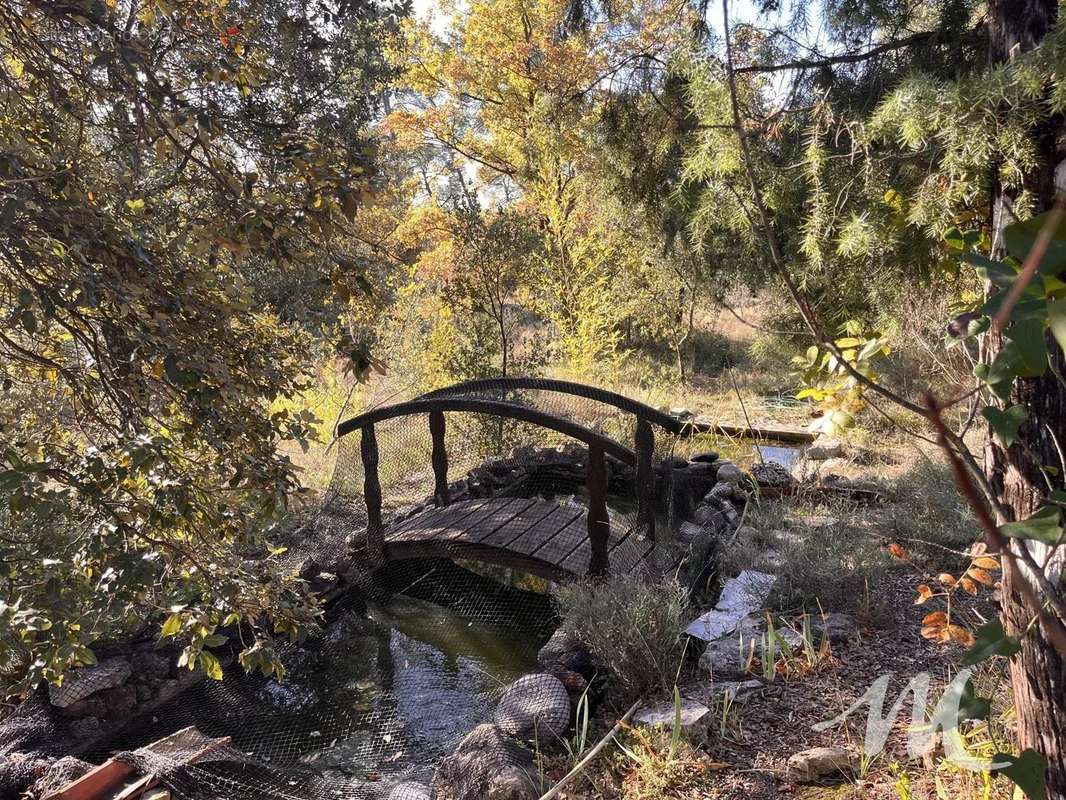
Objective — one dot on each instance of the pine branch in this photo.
(924, 38)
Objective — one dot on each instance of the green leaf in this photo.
(215, 640)
(991, 640)
(211, 666)
(953, 238)
(1005, 422)
(1021, 236)
(1028, 335)
(970, 705)
(1056, 314)
(1044, 526)
(1027, 770)
(172, 626)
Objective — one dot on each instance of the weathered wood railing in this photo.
(596, 479)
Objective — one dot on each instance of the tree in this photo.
(1018, 469)
(503, 111)
(155, 159)
(856, 123)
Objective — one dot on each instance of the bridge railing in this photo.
(598, 409)
(435, 411)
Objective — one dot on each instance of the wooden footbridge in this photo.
(553, 538)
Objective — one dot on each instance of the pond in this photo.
(373, 700)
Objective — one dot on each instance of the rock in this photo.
(148, 663)
(81, 682)
(700, 469)
(694, 716)
(785, 539)
(746, 535)
(818, 763)
(121, 701)
(534, 706)
(741, 596)
(812, 521)
(723, 658)
(410, 791)
(734, 691)
(708, 457)
(95, 706)
(721, 491)
(836, 627)
(729, 473)
(486, 765)
(565, 652)
(85, 728)
(824, 448)
(771, 561)
(709, 517)
(772, 475)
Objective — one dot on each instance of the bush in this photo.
(632, 627)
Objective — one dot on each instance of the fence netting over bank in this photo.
(436, 547)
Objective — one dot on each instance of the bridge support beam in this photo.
(645, 478)
(375, 531)
(599, 523)
(439, 458)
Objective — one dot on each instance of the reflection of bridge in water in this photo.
(550, 486)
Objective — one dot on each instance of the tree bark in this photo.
(1038, 672)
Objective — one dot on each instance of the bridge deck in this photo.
(537, 536)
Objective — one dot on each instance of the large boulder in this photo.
(534, 707)
(486, 765)
(82, 682)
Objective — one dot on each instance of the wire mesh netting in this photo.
(438, 605)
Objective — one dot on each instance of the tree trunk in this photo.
(1038, 672)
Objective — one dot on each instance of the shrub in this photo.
(632, 627)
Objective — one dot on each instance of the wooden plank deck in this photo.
(537, 536)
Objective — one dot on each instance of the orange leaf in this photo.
(937, 618)
(897, 551)
(969, 586)
(960, 635)
(986, 562)
(981, 576)
(946, 578)
(932, 631)
(233, 30)
(924, 594)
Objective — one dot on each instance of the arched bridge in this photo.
(554, 478)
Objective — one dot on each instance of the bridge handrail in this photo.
(595, 473)
(499, 408)
(619, 401)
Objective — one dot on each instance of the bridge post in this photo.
(375, 532)
(645, 478)
(599, 524)
(439, 458)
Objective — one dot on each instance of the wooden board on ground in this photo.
(116, 780)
